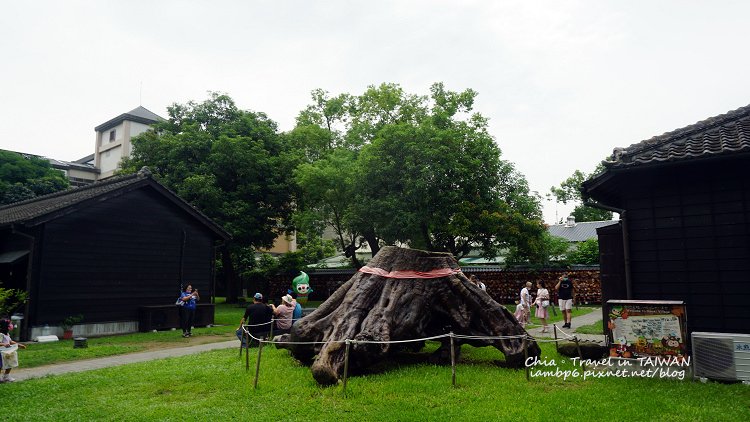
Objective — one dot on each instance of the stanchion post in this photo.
(346, 364)
(580, 355)
(257, 364)
(453, 359)
(270, 331)
(247, 352)
(557, 346)
(242, 339)
(526, 358)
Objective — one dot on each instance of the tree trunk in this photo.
(232, 290)
(372, 241)
(382, 308)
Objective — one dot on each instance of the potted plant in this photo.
(68, 323)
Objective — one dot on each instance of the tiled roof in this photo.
(21, 212)
(31, 211)
(578, 232)
(727, 133)
(139, 114)
(85, 159)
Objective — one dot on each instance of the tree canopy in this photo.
(419, 170)
(570, 191)
(230, 163)
(25, 177)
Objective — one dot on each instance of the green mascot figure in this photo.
(301, 285)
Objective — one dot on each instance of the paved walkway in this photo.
(588, 319)
(91, 364)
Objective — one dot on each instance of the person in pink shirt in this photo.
(283, 314)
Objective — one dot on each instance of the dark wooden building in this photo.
(684, 234)
(104, 251)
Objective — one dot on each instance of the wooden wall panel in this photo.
(108, 259)
(689, 233)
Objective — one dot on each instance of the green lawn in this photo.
(583, 310)
(595, 328)
(215, 386)
(226, 318)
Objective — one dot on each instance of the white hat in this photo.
(287, 298)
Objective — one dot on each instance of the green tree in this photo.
(587, 253)
(231, 164)
(25, 177)
(11, 299)
(570, 191)
(549, 252)
(327, 189)
(421, 170)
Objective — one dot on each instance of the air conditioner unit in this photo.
(721, 356)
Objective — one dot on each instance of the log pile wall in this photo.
(503, 285)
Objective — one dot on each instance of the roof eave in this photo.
(121, 118)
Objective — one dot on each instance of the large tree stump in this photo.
(372, 307)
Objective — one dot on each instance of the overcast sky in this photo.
(563, 82)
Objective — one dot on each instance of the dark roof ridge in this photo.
(95, 185)
(684, 132)
(134, 115)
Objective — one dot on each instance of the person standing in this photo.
(542, 303)
(523, 309)
(564, 289)
(189, 297)
(9, 356)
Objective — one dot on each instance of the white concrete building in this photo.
(113, 138)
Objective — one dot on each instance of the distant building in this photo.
(113, 138)
(80, 172)
(576, 233)
(112, 144)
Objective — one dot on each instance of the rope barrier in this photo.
(517, 336)
(400, 341)
(269, 322)
(457, 336)
(524, 337)
(566, 334)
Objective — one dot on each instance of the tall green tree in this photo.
(232, 164)
(25, 177)
(327, 188)
(421, 170)
(586, 253)
(570, 191)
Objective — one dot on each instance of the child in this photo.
(8, 353)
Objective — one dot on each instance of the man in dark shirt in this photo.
(258, 317)
(564, 289)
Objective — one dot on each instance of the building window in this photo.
(112, 135)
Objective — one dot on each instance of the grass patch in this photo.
(226, 317)
(215, 386)
(595, 328)
(576, 312)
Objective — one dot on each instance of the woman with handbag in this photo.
(542, 303)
